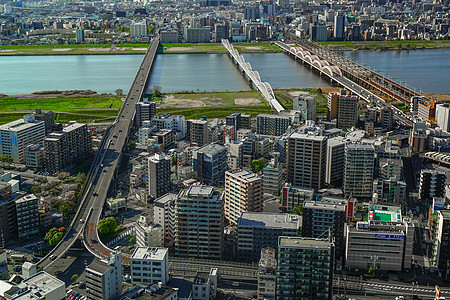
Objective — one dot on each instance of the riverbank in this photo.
(102, 49)
(386, 45)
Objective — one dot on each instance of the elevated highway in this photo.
(325, 67)
(102, 172)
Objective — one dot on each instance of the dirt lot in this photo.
(170, 100)
(246, 101)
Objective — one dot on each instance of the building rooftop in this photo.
(273, 116)
(302, 242)
(385, 213)
(360, 147)
(26, 198)
(244, 175)
(445, 213)
(98, 266)
(39, 285)
(211, 149)
(153, 292)
(21, 124)
(73, 126)
(268, 220)
(200, 190)
(166, 198)
(156, 253)
(297, 135)
(325, 205)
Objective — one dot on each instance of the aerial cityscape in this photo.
(224, 149)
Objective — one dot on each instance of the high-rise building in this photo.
(442, 243)
(323, 217)
(48, 118)
(164, 214)
(138, 29)
(148, 234)
(390, 242)
(197, 35)
(234, 119)
(348, 112)
(339, 26)
(332, 106)
(387, 118)
(15, 136)
(159, 182)
(197, 132)
(304, 268)
(306, 160)
(443, 116)
(149, 265)
(419, 137)
(79, 35)
(432, 184)
(222, 32)
(358, 172)
(335, 160)
(273, 177)
(319, 32)
(71, 145)
(199, 223)
(272, 124)
(293, 197)
(306, 104)
(8, 215)
(104, 278)
(210, 163)
(252, 12)
(243, 193)
(27, 216)
(267, 274)
(256, 230)
(145, 110)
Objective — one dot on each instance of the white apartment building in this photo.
(104, 278)
(17, 135)
(150, 265)
(164, 214)
(138, 29)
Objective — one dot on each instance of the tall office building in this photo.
(197, 132)
(234, 119)
(8, 215)
(243, 193)
(273, 177)
(27, 216)
(272, 124)
(71, 145)
(323, 217)
(335, 160)
(252, 12)
(15, 136)
(256, 230)
(306, 104)
(442, 243)
(304, 268)
(348, 112)
(332, 106)
(149, 265)
(79, 35)
(145, 110)
(159, 182)
(306, 160)
(339, 26)
(104, 278)
(432, 184)
(199, 223)
(358, 172)
(210, 163)
(319, 32)
(138, 29)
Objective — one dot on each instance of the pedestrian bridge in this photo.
(253, 76)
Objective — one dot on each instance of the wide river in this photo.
(425, 69)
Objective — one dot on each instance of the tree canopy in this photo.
(258, 164)
(54, 235)
(107, 226)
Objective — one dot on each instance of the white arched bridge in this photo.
(263, 87)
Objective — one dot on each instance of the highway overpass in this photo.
(102, 172)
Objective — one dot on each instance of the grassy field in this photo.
(12, 104)
(218, 48)
(215, 112)
(130, 49)
(86, 116)
(382, 45)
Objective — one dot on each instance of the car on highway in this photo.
(94, 194)
(94, 241)
(52, 257)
